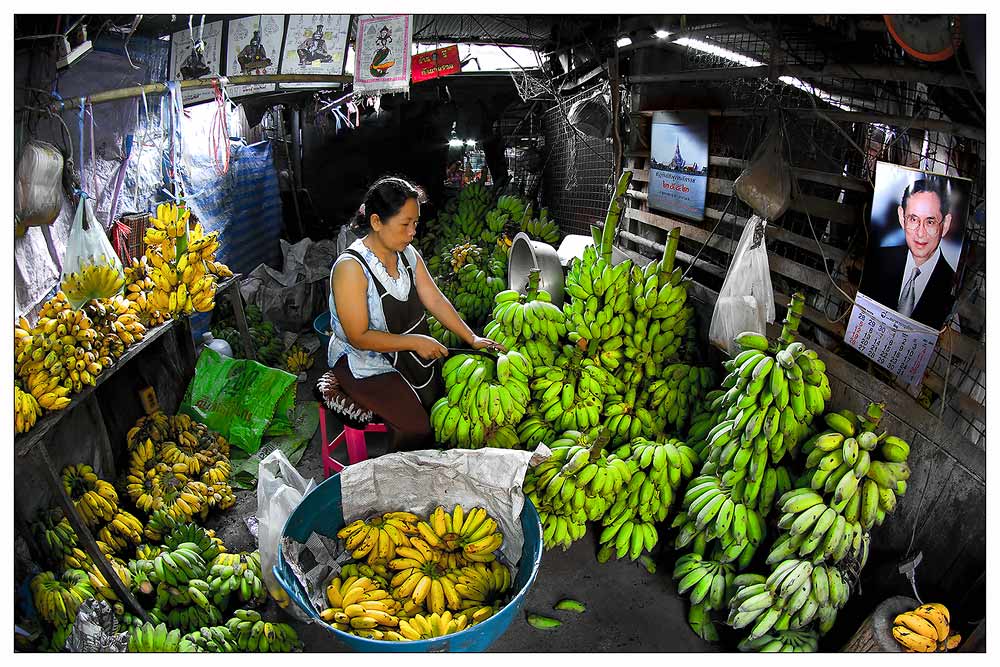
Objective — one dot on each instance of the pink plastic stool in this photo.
(357, 447)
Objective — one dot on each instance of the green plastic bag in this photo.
(304, 422)
(240, 399)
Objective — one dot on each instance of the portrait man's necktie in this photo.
(907, 300)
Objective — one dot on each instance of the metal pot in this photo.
(526, 254)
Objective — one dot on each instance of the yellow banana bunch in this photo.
(26, 410)
(139, 290)
(100, 584)
(432, 625)
(57, 600)
(925, 629)
(297, 360)
(95, 278)
(181, 263)
(416, 569)
(95, 499)
(183, 497)
(378, 538)
(178, 465)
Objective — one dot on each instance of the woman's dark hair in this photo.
(385, 198)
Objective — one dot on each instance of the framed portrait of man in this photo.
(918, 224)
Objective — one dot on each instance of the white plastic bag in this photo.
(91, 267)
(746, 300)
(38, 194)
(280, 489)
(765, 185)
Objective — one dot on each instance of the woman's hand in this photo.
(478, 343)
(427, 347)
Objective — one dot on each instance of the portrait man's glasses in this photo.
(931, 224)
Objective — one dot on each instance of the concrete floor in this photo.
(628, 609)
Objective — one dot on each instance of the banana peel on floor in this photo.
(543, 622)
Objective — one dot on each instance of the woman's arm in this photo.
(438, 305)
(350, 298)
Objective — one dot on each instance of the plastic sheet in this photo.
(292, 297)
(746, 300)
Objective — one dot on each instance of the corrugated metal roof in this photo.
(486, 29)
(505, 29)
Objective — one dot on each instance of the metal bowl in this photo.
(525, 255)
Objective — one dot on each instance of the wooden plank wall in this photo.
(944, 512)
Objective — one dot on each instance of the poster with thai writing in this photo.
(315, 44)
(678, 164)
(435, 64)
(254, 48)
(196, 54)
(382, 54)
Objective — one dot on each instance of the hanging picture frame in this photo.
(253, 47)
(382, 55)
(196, 53)
(315, 44)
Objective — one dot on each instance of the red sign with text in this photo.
(436, 63)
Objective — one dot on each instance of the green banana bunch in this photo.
(570, 393)
(236, 574)
(444, 336)
(215, 639)
(783, 641)
(707, 580)
(816, 531)
(658, 470)
(543, 229)
(192, 617)
(519, 318)
(711, 514)
(178, 566)
(677, 393)
(53, 534)
(601, 300)
(786, 599)
(208, 546)
(861, 471)
(255, 635)
(574, 485)
(149, 638)
(485, 400)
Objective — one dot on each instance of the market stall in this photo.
(693, 423)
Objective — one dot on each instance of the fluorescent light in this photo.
(662, 34)
(624, 41)
(830, 99)
(714, 50)
(746, 61)
(456, 143)
(471, 143)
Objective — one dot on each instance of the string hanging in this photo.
(219, 132)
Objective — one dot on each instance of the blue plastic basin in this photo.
(321, 512)
(321, 325)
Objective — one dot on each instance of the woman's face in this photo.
(397, 232)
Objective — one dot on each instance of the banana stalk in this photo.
(614, 215)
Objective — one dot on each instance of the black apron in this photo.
(407, 317)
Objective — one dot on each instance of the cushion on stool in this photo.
(330, 394)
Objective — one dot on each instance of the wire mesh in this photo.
(578, 172)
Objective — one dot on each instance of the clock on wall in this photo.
(927, 37)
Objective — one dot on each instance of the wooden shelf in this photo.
(25, 442)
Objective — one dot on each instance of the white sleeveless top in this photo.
(366, 363)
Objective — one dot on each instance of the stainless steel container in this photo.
(526, 254)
